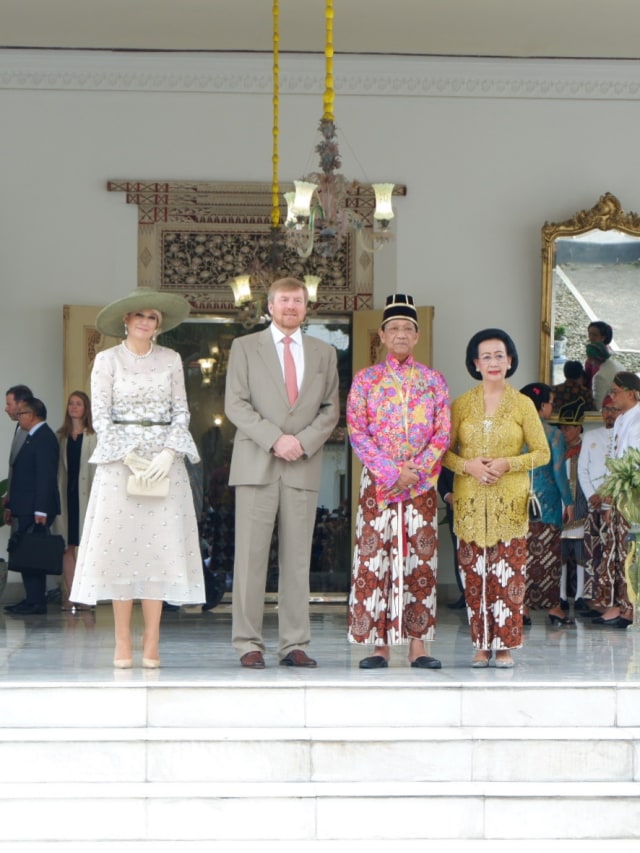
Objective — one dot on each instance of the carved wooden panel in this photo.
(194, 237)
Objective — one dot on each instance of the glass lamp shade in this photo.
(291, 217)
(302, 200)
(384, 210)
(206, 369)
(241, 287)
(312, 282)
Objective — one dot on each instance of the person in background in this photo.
(597, 447)
(13, 397)
(445, 490)
(607, 369)
(75, 475)
(570, 419)
(574, 387)
(282, 394)
(551, 487)
(140, 546)
(625, 393)
(598, 332)
(398, 420)
(34, 497)
(491, 424)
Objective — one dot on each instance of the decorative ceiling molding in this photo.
(421, 77)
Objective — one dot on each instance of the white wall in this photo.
(488, 150)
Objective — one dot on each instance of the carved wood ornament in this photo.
(194, 237)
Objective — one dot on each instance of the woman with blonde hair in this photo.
(78, 440)
(140, 540)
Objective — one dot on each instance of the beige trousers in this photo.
(256, 511)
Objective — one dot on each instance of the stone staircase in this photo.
(137, 764)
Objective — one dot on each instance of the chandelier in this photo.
(318, 212)
(321, 211)
(212, 363)
(252, 304)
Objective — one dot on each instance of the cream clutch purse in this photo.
(140, 488)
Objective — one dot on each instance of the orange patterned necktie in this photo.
(290, 376)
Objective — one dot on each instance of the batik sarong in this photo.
(393, 585)
(494, 578)
(596, 532)
(544, 566)
(611, 584)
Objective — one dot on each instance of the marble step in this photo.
(245, 703)
(308, 755)
(318, 811)
(458, 845)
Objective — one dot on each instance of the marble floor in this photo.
(195, 647)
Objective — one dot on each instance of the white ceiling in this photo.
(517, 28)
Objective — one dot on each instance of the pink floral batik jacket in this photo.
(396, 412)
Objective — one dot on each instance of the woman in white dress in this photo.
(140, 547)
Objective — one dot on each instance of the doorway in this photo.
(203, 343)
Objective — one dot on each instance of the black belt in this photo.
(144, 423)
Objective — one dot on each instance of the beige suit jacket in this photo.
(256, 402)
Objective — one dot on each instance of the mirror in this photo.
(590, 271)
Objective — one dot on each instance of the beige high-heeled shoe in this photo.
(150, 663)
(504, 660)
(122, 663)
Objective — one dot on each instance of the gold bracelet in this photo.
(464, 467)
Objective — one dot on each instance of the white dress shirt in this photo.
(626, 431)
(597, 447)
(297, 350)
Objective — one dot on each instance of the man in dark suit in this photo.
(445, 490)
(13, 398)
(282, 395)
(34, 496)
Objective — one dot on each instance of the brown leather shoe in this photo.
(298, 658)
(252, 660)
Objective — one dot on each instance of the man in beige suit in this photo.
(282, 395)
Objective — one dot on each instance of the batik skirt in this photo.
(609, 581)
(596, 533)
(494, 581)
(393, 584)
(544, 566)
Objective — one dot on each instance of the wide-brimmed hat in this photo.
(400, 306)
(174, 310)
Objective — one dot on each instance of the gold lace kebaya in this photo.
(489, 514)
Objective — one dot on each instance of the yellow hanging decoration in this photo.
(275, 184)
(329, 92)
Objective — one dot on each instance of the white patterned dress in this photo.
(139, 547)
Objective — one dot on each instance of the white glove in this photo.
(159, 466)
